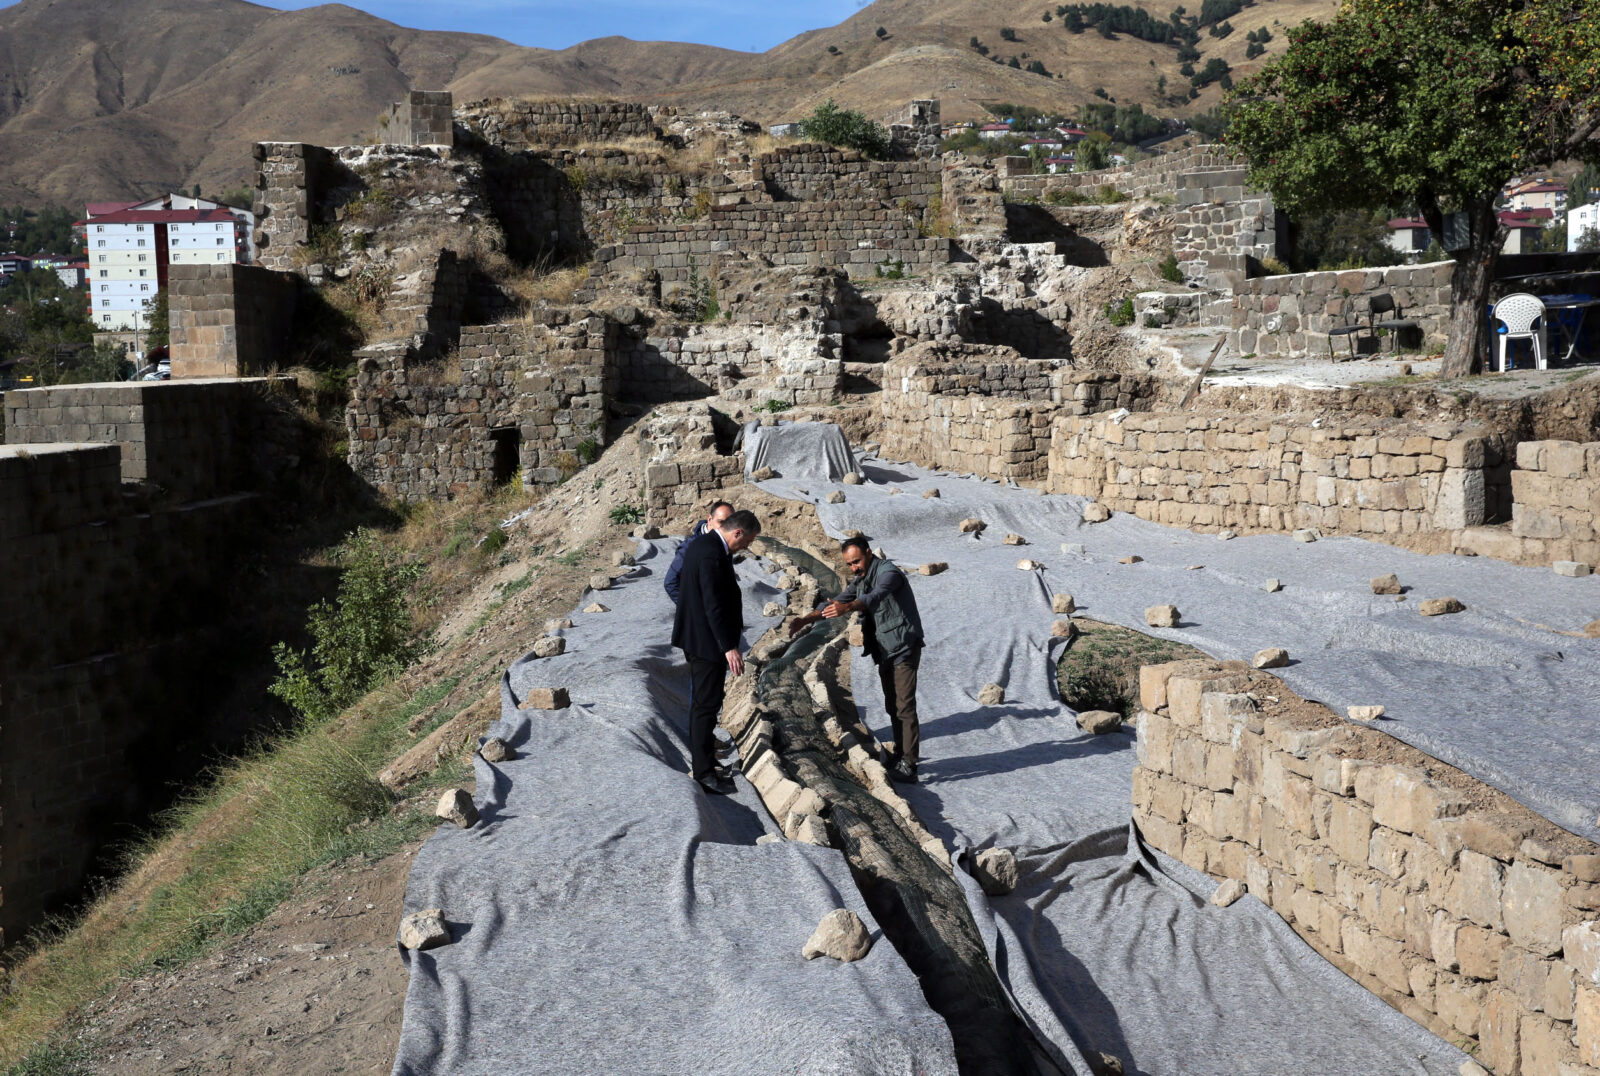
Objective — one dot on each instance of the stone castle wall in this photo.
(432, 430)
(128, 596)
(1153, 177)
(517, 124)
(228, 320)
(1477, 919)
(421, 118)
(1291, 315)
(810, 172)
(1555, 512)
(1262, 473)
(289, 178)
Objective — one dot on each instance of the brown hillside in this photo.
(104, 100)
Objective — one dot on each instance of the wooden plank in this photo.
(1194, 389)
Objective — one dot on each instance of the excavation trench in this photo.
(917, 902)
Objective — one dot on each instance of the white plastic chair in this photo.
(1518, 313)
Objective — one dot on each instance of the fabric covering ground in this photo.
(609, 918)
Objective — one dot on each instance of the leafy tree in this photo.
(1341, 239)
(155, 320)
(1008, 33)
(846, 127)
(1047, 16)
(1014, 62)
(1038, 68)
(1092, 155)
(1589, 240)
(1431, 102)
(882, 33)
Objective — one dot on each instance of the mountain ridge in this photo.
(130, 99)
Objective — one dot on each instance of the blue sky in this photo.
(554, 24)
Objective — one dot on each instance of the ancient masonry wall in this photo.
(117, 674)
(817, 173)
(544, 124)
(228, 320)
(194, 439)
(1463, 910)
(1291, 315)
(434, 430)
(1555, 511)
(1152, 177)
(679, 489)
(1253, 473)
(422, 118)
(798, 365)
(858, 236)
(289, 176)
(991, 417)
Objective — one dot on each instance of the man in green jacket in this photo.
(891, 636)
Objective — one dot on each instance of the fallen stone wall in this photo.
(1291, 315)
(1461, 908)
(531, 392)
(1555, 511)
(1365, 476)
(229, 320)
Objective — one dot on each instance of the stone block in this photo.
(1580, 944)
(1478, 952)
(1404, 799)
(1499, 1038)
(1532, 901)
(1587, 1019)
(546, 698)
(1459, 1003)
(1474, 892)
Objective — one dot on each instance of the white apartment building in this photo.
(129, 248)
(1581, 219)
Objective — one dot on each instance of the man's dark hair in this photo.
(859, 542)
(743, 520)
(719, 504)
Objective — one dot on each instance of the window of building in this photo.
(141, 242)
(142, 272)
(105, 317)
(222, 257)
(100, 242)
(99, 227)
(105, 287)
(105, 272)
(138, 227)
(144, 287)
(141, 257)
(102, 257)
(220, 242)
(105, 302)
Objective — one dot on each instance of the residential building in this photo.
(1409, 236)
(1538, 194)
(1071, 134)
(989, 132)
(129, 246)
(14, 263)
(1582, 219)
(1524, 228)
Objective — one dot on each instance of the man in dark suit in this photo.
(720, 511)
(707, 630)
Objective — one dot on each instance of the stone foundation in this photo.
(1556, 501)
(1464, 910)
(229, 320)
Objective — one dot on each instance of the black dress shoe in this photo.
(903, 772)
(724, 750)
(716, 784)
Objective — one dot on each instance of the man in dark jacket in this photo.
(707, 630)
(891, 637)
(719, 512)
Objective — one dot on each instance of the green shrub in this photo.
(1120, 314)
(846, 127)
(627, 514)
(1170, 270)
(588, 450)
(774, 406)
(362, 638)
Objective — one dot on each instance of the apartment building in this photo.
(130, 244)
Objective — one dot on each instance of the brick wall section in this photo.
(1290, 315)
(422, 430)
(1456, 905)
(229, 320)
(134, 603)
(1222, 230)
(1267, 473)
(194, 439)
(858, 236)
(289, 176)
(1556, 495)
(543, 124)
(421, 118)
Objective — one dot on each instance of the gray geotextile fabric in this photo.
(1118, 950)
(609, 917)
(805, 450)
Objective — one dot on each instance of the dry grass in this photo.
(556, 287)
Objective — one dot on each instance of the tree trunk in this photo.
(1467, 345)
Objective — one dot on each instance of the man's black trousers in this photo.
(708, 684)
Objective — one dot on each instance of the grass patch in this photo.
(1100, 670)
